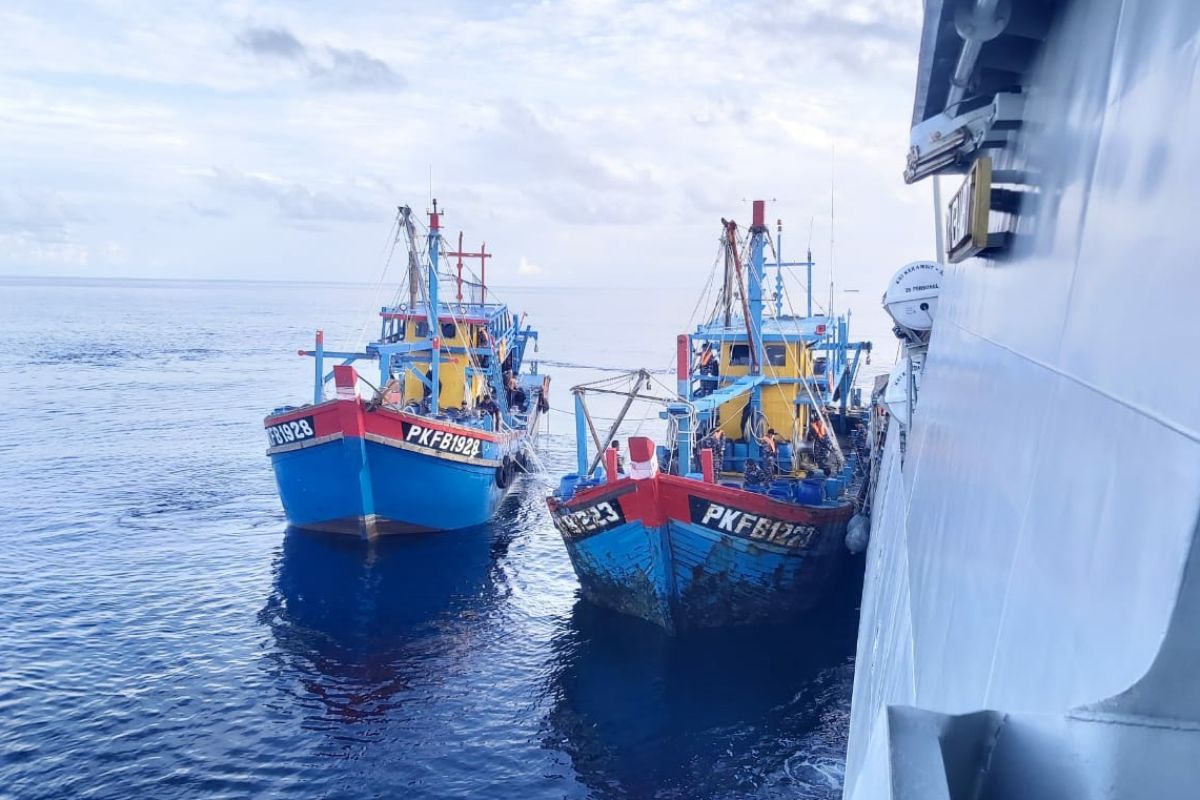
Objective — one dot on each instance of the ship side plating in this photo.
(1029, 619)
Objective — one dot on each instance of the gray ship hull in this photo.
(1031, 612)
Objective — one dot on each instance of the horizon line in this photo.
(252, 281)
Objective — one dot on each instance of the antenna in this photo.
(832, 170)
(431, 183)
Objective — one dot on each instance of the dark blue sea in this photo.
(162, 634)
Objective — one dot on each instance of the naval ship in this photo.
(1031, 613)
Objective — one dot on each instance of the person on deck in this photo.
(818, 436)
(715, 441)
(490, 409)
(517, 398)
(706, 366)
(706, 363)
(483, 342)
(754, 475)
(770, 452)
(616, 445)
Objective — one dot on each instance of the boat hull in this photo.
(372, 472)
(684, 554)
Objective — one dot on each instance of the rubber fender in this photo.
(858, 533)
(504, 472)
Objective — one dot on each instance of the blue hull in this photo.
(352, 485)
(680, 574)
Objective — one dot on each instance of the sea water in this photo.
(163, 634)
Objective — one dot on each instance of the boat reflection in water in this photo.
(753, 711)
(358, 621)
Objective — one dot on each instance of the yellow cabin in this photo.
(462, 374)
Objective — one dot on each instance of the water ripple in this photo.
(163, 635)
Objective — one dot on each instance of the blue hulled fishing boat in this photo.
(729, 521)
(439, 441)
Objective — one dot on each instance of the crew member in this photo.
(770, 452)
(706, 366)
(516, 395)
(483, 342)
(819, 438)
(616, 445)
(490, 409)
(715, 441)
(754, 475)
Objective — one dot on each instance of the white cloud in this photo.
(293, 200)
(600, 138)
(329, 67)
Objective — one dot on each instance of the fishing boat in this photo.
(728, 522)
(439, 441)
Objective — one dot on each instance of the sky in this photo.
(589, 143)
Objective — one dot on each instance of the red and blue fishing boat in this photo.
(439, 439)
(741, 515)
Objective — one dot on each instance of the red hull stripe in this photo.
(331, 417)
(298, 413)
(655, 500)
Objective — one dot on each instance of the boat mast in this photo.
(780, 264)
(459, 253)
(731, 249)
(758, 240)
(414, 269)
(728, 293)
(778, 268)
(808, 281)
(435, 328)
(483, 255)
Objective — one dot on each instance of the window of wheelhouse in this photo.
(393, 330)
(739, 355)
(420, 329)
(449, 330)
(776, 355)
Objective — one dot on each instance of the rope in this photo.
(594, 367)
(389, 246)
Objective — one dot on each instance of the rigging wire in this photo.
(388, 247)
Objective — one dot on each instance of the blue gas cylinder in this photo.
(566, 485)
(810, 492)
(785, 457)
